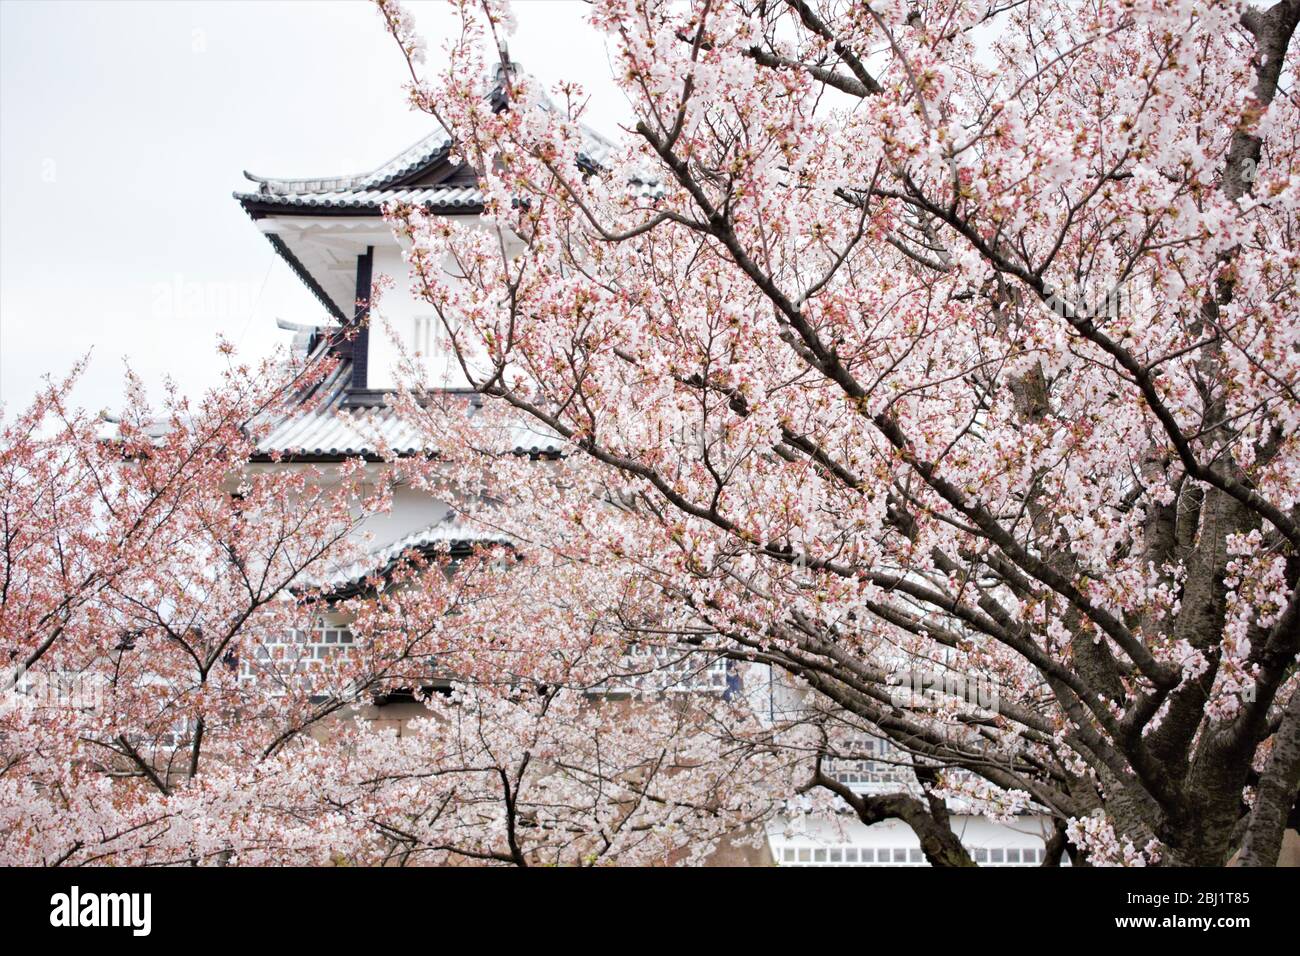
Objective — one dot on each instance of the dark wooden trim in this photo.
(261, 209)
(301, 272)
(318, 458)
(442, 686)
(378, 397)
(330, 458)
(361, 343)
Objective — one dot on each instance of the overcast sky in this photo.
(124, 128)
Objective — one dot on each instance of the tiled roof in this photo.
(409, 160)
(446, 537)
(436, 197)
(321, 424)
(385, 183)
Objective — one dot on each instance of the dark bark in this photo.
(939, 844)
(1276, 795)
(1055, 849)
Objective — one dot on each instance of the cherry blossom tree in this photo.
(174, 692)
(140, 574)
(935, 335)
(895, 349)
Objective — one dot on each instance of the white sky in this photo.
(124, 128)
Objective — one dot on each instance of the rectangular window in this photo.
(429, 336)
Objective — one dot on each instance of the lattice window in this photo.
(850, 855)
(428, 337)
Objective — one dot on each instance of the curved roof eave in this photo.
(413, 159)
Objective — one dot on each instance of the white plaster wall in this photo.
(402, 315)
(411, 510)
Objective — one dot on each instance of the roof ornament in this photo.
(289, 326)
(505, 66)
(507, 70)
